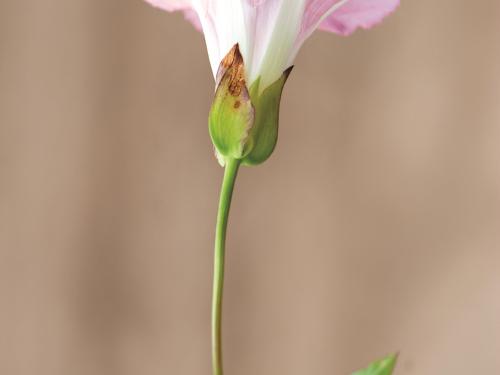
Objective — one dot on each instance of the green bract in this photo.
(243, 122)
(382, 367)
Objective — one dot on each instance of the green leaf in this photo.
(381, 367)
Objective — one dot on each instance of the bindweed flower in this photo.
(255, 42)
(251, 46)
(271, 32)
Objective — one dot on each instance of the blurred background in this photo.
(373, 228)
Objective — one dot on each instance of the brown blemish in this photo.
(233, 65)
(237, 104)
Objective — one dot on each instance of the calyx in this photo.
(243, 122)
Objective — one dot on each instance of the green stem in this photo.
(226, 194)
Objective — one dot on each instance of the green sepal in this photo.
(381, 367)
(232, 113)
(264, 132)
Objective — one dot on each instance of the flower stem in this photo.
(230, 172)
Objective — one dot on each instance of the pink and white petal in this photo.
(175, 5)
(192, 16)
(358, 14)
(316, 11)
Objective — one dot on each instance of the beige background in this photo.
(373, 228)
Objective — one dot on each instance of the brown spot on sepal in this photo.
(237, 104)
(233, 62)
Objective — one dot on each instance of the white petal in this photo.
(223, 24)
(276, 26)
(266, 31)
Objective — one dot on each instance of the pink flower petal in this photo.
(174, 5)
(358, 13)
(192, 17)
(170, 5)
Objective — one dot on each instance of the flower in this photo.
(251, 45)
(270, 32)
